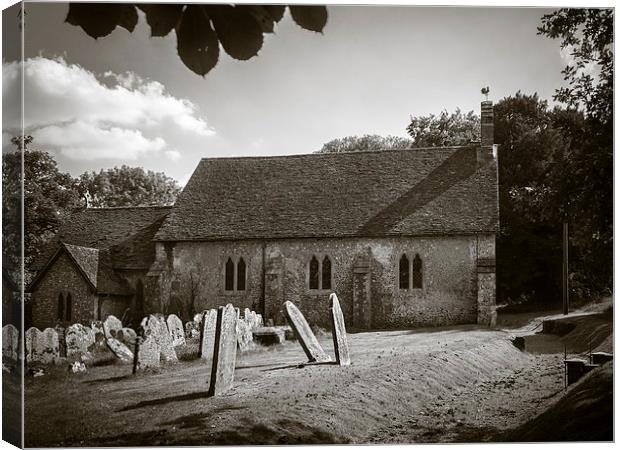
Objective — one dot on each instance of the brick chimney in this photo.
(486, 123)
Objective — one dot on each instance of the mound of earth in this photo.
(585, 413)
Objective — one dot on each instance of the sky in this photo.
(128, 99)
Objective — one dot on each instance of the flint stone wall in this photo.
(449, 271)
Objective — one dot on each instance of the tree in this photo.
(364, 143)
(586, 169)
(587, 36)
(200, 29)
(127, 186)
(48, 198)
(444, 130)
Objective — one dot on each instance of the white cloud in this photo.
(80, 140)
(71, 108)
(589, 68)
(173, 155)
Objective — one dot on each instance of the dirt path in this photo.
(438, 385)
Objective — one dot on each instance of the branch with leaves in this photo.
(200, 29)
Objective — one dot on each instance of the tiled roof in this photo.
(87, 260)
(377, 193)
(129, 228)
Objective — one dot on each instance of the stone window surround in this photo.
(235, 259)
(320, 257)
(410, 257)
(67, 300)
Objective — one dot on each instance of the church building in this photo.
(406, 238)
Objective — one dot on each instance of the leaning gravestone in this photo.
(111, 326)
(10, 342)
(175, 328)
(306, 337)
(120, 350)
(78, 339)
(207, 334)
(42, 346)
(339, 333)
(225, 354)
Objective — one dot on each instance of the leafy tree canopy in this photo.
(200, 29)
(127, 186)
(587, 36)
(363, 143)
(445, 129)
(48, 197)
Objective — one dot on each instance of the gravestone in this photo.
(259, 321)
(207, 334)
(339, 333)
(247, 314)
(111, 325)
(78, 339)
(120, 350)
(10, 342)
(127, 336)
(225, 354)
(198, 317)
(98, 332)
(192, 330)
(42, 346)
(146, 352)
(156, 327)
(306, 337)
(244, 336)
(175, 328)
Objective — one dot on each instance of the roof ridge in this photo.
(106, 208)
(301, 155)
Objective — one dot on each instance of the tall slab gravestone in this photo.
(339, 332)
(305, 336)
(175, 328)
(223, 367)
(207, 334)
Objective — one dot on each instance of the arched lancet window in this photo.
(241, 275)
(403, 272)
(416, 280)
(230, 275)
(61, 307)
(314, 273)
(68, 308)
(326, 272)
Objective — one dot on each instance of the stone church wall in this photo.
(195, 272)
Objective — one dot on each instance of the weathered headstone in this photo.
(146, 348)
(175, 328)
(259, 321)
(339, 333)
(224, 357)
(111, 325)
(119, 349)
(127, 336)
(306, 337)
(207, 334)
(42, 346)
(10, 342)
(192, 330)
(198, 317)
(244, 335)
(246, 314)
(156, 325)
(98, 332)
(78, 339)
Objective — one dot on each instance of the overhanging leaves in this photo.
(200, 29)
